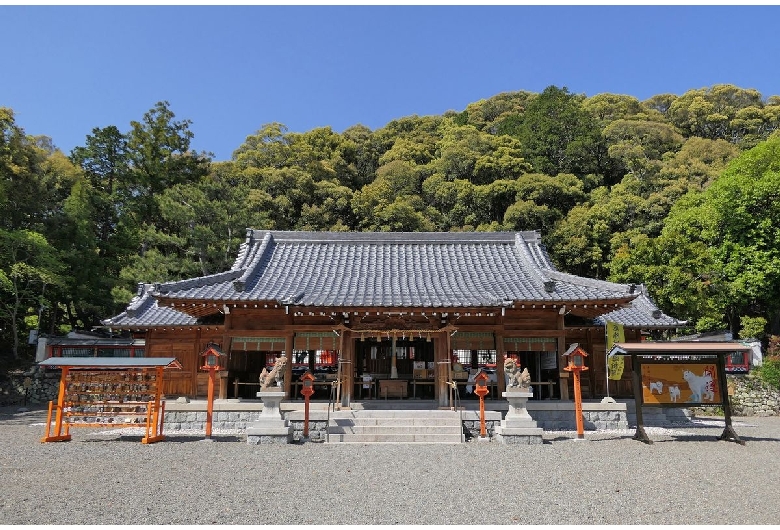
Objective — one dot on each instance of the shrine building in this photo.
(405, 313)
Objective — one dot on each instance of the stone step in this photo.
(395, 438)
(400, 422)
(397, 429)
(396, 426)
(425, 414)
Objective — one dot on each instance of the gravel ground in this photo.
(109, 477)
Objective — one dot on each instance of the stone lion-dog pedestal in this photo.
(270, 428)
(518, 427)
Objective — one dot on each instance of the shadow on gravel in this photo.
(133, 438)
(18, 417)
(703, 438)
(587, 439)
(215, 439)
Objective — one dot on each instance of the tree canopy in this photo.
(677, 192)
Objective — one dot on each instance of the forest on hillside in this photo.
(679, 193)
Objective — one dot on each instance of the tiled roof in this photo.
(143, 311)
(387, 269)
(641, 313)
(348, 269)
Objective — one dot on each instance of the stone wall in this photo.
(42, 385)
(752, 397)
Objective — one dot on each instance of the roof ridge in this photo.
(331, 237)
(524, 246)
(254, 259)
(199, 281)
(593, 282)
(140, 297)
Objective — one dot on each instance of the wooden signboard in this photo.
(682, 384)
(108, 392)
(680, 374)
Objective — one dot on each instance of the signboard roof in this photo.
(677, 348)
(111, 362)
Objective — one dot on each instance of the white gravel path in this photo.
(109, 477)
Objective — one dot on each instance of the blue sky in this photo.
(68, 69)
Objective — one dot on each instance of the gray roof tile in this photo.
(641, 313)
(370, 269)
(143, 311)
(393, 270)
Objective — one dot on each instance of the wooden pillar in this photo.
(346, 350)
(437, 339)
(288, 352)
(196, 350)
(224, 380)
(501, 378)
(563, 376)
(442, 368)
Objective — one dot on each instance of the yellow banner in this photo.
(616, 363)
(614, 334)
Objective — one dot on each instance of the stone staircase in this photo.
(396, 426)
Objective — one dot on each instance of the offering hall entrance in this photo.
(543, 369)
(408, 373)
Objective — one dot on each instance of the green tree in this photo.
(641, 145)
(606, 108)
(558, 135)
(28, 264)
(106, 165)
(158, 148)
(542, 201)
(708, 112)
(23, 190)
(496, 113)
(718, 255)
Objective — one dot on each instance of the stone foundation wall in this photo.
(751, 397)
(318, 430)
(564, 420)
(472, 428)
(44, 386)
(196, 420)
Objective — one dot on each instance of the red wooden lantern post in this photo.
(576, 364)
(481, 390)
(211, 359)
(307, 391)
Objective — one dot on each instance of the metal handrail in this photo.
(456, 401)
(454, 389)
(331, 403)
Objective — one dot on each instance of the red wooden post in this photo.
(210, 400)
(211, 357)
(307, 391)
(481, 390)
(576, 358)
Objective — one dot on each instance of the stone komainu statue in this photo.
(275, 377)
(515, 378)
